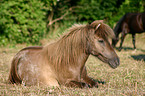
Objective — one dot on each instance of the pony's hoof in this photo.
(85, 85)
(95, 85)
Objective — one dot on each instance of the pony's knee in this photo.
(52, 82)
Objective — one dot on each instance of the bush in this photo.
(25, 21)
(91, 10)
(22, 21)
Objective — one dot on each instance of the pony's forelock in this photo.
(102, 30)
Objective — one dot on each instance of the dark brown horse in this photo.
(130, 23)
(63, 62)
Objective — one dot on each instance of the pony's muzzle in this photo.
(114, 63)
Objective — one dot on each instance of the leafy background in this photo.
(28, 21)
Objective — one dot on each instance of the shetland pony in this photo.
(130, 23)
(63, 61)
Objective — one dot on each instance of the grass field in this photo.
(126, 80)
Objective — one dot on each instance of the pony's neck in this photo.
(70, 50)
(66, 52)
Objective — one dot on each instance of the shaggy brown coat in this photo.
(63, 62)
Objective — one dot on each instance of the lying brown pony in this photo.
(63, 62)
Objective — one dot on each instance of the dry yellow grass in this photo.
(126, 80)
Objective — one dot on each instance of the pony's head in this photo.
(99, 45)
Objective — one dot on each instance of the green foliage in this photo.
(132, 6)
(25, 21)
(91, 10)
(22, 21)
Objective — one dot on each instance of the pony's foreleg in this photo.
(133, 40)
(87, 79)
(90, 82)
(122, 39)
(76, 84)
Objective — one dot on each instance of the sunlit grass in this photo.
(126, 80)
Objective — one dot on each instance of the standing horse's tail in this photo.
(13, 75)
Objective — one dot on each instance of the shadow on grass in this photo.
(129, 48)
(99, 81)
(138, 57)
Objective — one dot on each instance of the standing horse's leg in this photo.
(122, 39)
(133, 40)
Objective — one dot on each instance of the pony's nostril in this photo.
(114, 62)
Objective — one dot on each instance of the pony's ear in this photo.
(96, 24)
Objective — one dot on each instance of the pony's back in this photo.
(13, 76)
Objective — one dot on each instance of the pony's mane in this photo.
(67, 50)
(76, 28)
(103, 30)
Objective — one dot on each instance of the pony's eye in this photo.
(101, 41)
